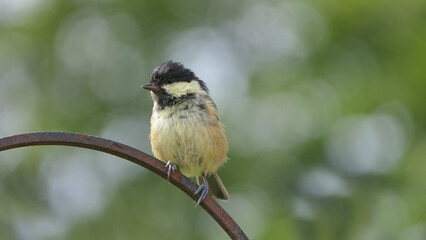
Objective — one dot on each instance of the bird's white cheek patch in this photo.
(179, 89)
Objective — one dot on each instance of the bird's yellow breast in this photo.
(191, 138)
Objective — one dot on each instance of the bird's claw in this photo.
(171, 167)
(204, 189)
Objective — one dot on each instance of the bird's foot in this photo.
(204, 189)
(171, 167)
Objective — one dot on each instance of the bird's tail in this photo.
(216, 187)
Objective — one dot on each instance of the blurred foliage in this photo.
(323, 102)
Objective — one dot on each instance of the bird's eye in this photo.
(169, 80)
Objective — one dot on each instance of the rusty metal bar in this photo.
(131, 154)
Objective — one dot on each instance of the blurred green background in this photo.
(324, 104)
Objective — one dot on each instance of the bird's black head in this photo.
(170, 72)
(171, 83)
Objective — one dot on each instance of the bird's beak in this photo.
(151, 87)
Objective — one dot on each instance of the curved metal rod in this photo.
(131, 154)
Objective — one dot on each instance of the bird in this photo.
(186, 133)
